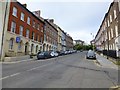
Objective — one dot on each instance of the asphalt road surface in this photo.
(69, 71)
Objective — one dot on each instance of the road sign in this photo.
(18, 39)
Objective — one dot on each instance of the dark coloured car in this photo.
(43, 55)
(61, 53)
(90, 55)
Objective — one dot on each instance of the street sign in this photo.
(18, 39)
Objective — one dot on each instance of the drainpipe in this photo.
(108, 44)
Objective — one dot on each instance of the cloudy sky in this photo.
(77, 18)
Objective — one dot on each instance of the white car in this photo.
(90, 55)
(54, 54)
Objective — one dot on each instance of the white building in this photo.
(4, 16)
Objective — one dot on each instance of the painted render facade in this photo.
(4, 13)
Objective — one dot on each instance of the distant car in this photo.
(43, 55)
(81, 50)
(90, 55)
(61, 53)
(66, 52)
(53, 54)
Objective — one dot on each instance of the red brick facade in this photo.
(21, 8)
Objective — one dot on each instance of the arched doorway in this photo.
(11, 43)
(36, 48)
(26, 48)
(32, 48)
(40, 48)
(44, 47)
(47, 48)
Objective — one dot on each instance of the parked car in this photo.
(90, 55)
(66, 52)
(61, 53)
(81, 50)
(42, 55)
(53, 54)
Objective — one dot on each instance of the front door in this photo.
(26, 49)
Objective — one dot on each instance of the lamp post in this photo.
(93, 41)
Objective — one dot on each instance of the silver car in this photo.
(90, 55)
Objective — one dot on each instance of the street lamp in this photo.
(93, 41)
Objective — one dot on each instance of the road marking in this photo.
(47, 59)
(14, 74)
(25, 71)
(4, 77)
(38, 67)
(9, 76)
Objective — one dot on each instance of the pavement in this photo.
(18, 59)
(104, 62)
(69, 71)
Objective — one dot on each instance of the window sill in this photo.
(12, 33)
(28, 24)
(10, 50)
(22, 20)
(19, 51)
(14, 16)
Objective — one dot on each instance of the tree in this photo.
(83, 47)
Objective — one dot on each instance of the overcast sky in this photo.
(77, 18)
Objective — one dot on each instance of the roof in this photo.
(50, 24)
(78, 41)
(22, 6)
(105, 18)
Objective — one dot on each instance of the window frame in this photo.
(13, 27)
(14, 12)
(22, 17)
(19, 46)
(28, 20)
(27, 33)
(21, 28)
(11, 44)
(115, 14)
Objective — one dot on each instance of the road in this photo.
(70, 71)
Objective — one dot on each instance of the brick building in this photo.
(69, 42)
(108, 35)
(24, 33)
(59, 38)
(50, 35)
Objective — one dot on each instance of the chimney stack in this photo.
(51, 20)
(37, 13)
(25, 5)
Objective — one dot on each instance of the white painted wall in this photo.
(2, 23)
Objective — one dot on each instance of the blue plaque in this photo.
(18, 39)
